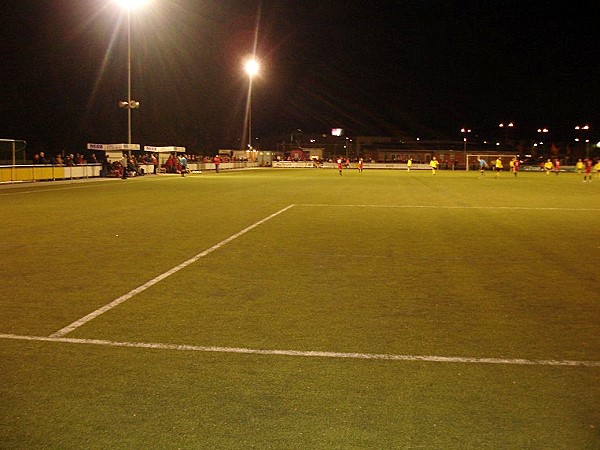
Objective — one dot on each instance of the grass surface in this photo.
(382, 262)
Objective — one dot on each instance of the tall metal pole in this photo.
(250, 114)
(129, 80)
(465, 153)
(251, 68)
(464, 131)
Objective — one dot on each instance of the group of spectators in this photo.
(129, 166)
(71, 159)
(176, 164)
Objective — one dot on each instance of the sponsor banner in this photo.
(169, 149)
(294, 164)
(113, 147)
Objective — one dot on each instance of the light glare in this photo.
(252, 67)
(131, 4)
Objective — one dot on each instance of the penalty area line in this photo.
(159, 278)
(313, 354)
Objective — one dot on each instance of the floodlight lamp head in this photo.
(251, 67)
(131, 4)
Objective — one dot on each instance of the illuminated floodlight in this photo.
(131, 4)
(130, 104)
(252, 67)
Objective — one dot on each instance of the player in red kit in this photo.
(587, 171)
(514, 166)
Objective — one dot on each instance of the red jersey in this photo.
(588, 166)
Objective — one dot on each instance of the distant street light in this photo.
(542, 132)
(129, 104)
(464, 131)
(251, 67)
(582, 131)
(506, 127)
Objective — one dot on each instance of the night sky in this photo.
(389, 68)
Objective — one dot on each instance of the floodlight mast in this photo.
(464, 131)
(129, 104)
(251, 67)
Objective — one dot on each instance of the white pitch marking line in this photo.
(37, 191)
(143, 287)
(313, 354)
(524, 208)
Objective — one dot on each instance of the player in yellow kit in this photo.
(434, 164)
(498, 167)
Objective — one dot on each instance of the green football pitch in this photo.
(301, 309)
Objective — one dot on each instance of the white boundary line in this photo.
(523, 208)
(313, 354)
(58, 336)
(52, 189)
(143, 287)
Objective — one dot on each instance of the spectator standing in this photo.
(184, 164)
(169, 164)
(217, 161)
(124, 163)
